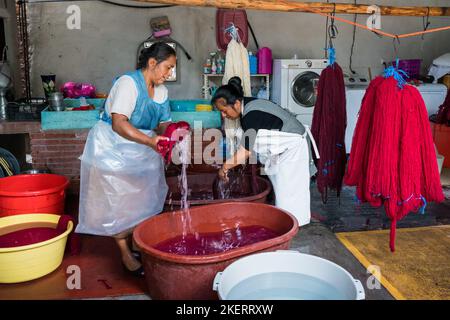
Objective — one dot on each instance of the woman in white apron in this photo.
(122, 174)
(279, 140)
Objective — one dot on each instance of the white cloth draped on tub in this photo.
(286, 162)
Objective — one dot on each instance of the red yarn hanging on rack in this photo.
(392, 159)
(328, 129)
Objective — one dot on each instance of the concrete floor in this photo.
(318, 237)
(345, 214)
(319, 240)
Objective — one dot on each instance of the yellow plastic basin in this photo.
(19, 264)
(203, 107)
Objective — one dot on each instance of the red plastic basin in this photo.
(32, 193)
(171, 276)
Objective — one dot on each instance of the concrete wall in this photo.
(8, 12)
(107, 42)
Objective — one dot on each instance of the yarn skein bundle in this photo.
(392, 159)
(328, 129)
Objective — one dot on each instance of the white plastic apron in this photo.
(286, 162)
(122, 182)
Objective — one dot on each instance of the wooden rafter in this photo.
(320, 7)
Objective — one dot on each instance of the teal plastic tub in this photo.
(73, 103)
(181, 110)
(61, 120)
(186, 105)
(184, 110)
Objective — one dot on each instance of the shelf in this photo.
(213, 78)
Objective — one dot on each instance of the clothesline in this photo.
(395, 36)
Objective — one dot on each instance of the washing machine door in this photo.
(303, 90)
(303, 93)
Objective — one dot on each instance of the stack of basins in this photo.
(32, 241)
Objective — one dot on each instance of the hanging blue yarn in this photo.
(233, 31)
(397, 73)
(422, 209)
(332, 55)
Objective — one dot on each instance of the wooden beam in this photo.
(321, 7)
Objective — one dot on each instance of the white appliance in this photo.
(295, 84)
(353, 95)
(432, 94)
(357, 79)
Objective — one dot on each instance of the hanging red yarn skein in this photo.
(328, 129)
(392, 160)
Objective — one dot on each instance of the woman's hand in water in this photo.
(153, 142)
(223, 174)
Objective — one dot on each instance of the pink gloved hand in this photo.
(176, 132)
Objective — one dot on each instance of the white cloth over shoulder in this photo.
(122, 182)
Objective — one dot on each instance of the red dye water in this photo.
(27, 236)
(216, 242)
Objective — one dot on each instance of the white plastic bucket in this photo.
(286, 275)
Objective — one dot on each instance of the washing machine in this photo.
(432, 94)
(353, 95)
(295, 83)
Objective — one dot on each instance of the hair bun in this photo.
(235, 81)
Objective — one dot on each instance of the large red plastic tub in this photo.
(174, 277)
(202, 184)
(32, 193)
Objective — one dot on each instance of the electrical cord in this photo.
(140, 48)
(332, 29)
(426, 23)
(138, 6)
(112, 2)
(164, 39)
(326, 35)
(169, 39)
(353, 43)
(253, 34)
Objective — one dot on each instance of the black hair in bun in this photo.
(230, 92)
(237, 84)
(160, 51)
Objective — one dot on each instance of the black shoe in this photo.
(137, 255)
(139, 272)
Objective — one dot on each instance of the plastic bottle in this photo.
(219, 63)
(222, 62)
(219, 66)
(207, 66)
(262, 93)
(253, 62)
(265, 61)
(214, 67)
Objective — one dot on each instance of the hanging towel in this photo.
(236, 65)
